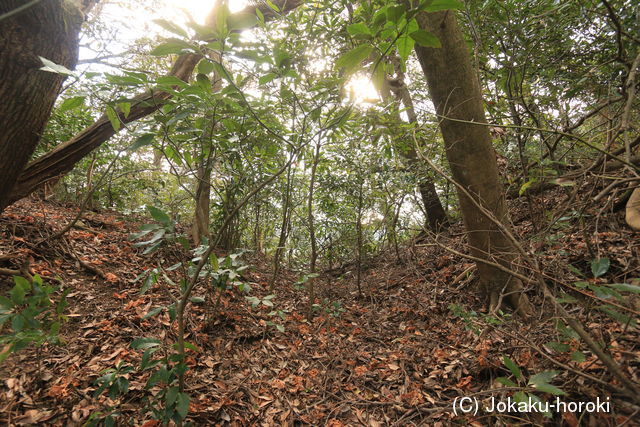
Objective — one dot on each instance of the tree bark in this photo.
(455, 93)
(48, 29)
(200, 229)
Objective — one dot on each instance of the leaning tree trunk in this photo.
(456, 95)
(50, 30)
(434, 212)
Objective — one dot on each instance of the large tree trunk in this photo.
(48, 29)
(456, 95)
(63, 158)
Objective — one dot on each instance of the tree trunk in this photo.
(456, 95)
(312, 230)
(48, 29)
(359, 240)
(436, 217)
(200, 229)
(284, 228)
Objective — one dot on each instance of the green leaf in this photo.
(437, 5)
(548, 388)
(172, 46)
(159, 215)
(578, 356)
(52, 67)
(405, 46)
(71, 103)
(425, 38)
(242, 21)
(394, 13)
(558, 346)
(197, 300)
(17, 322)
(171, 27)
(145, 343)
(182, 405)
(520, 396)
(615, 314)
(125, 107)
(358, 28)
(142, 141)
(600, 266)
(213, 260)
(222, 14)
(204, 82)
(152, 312)
(6, 303)
(541, 382)
(510, 364)
(172, 395)
(113, 118)
(267, 78)
(17, 294)
(506, 381)
(352, 59)
(273, 6)
(626, 287)
(23, 283)
(378, 76)
(526, 186)
(205, 66)
(222, 72)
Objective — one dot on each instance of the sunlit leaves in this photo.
(71, 103)
(241, 21)
(171, 46)
(113, 117)
(353, 58)
(359, 31)
(52, 67)
(171, 27)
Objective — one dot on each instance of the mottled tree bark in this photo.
(48, 29)
(456, 95)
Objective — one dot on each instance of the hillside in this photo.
(399, 355)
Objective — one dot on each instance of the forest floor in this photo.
(400, 355)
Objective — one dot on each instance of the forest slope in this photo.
(398, 356)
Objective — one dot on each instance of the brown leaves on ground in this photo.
(397, 357)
